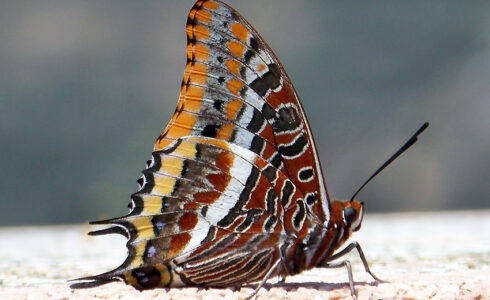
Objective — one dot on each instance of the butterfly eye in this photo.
(350, 215)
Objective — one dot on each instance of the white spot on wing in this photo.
(151, 251)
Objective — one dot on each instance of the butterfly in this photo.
(234, 191)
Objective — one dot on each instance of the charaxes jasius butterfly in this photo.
(234, 191)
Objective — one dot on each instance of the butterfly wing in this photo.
(235, 89)
(234, 174)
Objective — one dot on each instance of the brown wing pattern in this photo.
(234, 178)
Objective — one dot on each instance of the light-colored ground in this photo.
(423, 255)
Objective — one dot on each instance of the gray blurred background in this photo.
(87, 86)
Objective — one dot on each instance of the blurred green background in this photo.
(87, 86)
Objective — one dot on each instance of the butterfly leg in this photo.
(269, 274)
(283, 276)
(348, 249)
(344, 263)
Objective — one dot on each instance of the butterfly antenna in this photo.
(402, 149)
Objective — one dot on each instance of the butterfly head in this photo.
(352, 214)
(347, 216)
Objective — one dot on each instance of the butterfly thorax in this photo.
(323, 241)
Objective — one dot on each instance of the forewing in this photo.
(235, 89)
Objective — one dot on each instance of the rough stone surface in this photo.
(442, 255)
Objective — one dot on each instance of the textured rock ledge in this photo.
(442, 255)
